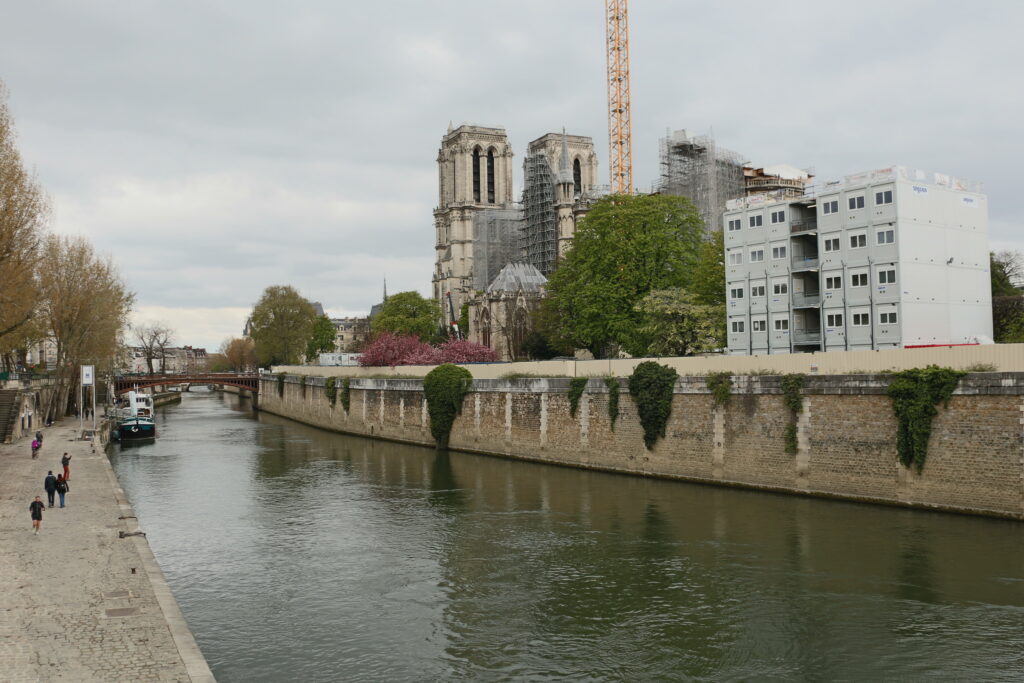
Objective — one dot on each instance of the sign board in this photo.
(88, 372)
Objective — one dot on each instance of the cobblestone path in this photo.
(78, 603)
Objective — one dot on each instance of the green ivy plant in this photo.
(613, 400)
(720, 384)
(651, 386)
(280, 385)
(792, 385)
(445, 387)
(346, 396)
(331, 390)
(576, 387)
(914, 394)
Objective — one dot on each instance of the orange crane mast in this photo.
(620, 127)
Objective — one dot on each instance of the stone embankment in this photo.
(845, 434)
(84, 600)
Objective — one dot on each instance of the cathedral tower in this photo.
(474, 167)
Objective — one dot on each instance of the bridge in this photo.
(128, 383)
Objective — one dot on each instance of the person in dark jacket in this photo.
(50, 484)
(39, 438)
(66, 460)
(36, 509)
(62, 488)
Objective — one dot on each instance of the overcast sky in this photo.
(216, 148)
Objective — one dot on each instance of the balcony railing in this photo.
(803, 224)
(812, 299)
(805, 262)
(807, 337)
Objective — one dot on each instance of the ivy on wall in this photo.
(613, 400)
(576, 387)
(346, 396)
(720, 385)
(280, 385)
(331, 390)
(792, 385)
(302, 385)
(651, 386)
(445, 387)
(914, 394)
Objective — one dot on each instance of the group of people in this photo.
(53, 485)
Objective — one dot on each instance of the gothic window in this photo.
(577, 178)
(520, 328)
(476, 174)
(485, 327)
(490, 176)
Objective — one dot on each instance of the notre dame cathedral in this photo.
(492, 253)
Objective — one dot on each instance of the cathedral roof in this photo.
(517, 276)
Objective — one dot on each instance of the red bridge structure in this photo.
(128, 383)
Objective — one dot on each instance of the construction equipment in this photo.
(620, 132)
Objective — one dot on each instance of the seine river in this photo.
(302, 555)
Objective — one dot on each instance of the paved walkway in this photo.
(78, 603)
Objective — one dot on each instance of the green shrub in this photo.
(280, 385)
(791, 387)
(720, 385)
(346, 396)
(982, 367)
(914, 394)
(331, 390)
(576, 387)
(651, 386)
(445, 387)
(613, 400)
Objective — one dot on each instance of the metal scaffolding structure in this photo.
(696, 168)
(498, 237)
(540, 226)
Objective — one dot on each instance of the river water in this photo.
(301, 555)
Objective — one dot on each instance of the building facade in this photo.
(501, 318)
(882, 259)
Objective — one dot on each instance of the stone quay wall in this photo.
(846, 434)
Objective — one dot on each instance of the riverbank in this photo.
(844, 434)
(84, 600)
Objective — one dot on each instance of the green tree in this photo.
(282, 323)
(1007, 272)
(677, 325)
(408, 313)
(322, 339)
(709, 273)
(624, 248)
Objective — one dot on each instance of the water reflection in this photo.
(300, 554)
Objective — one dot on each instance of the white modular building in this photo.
(881, 259)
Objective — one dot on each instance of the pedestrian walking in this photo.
(36, 510)
(62, 488)
(66, 460)
(50, 484)
(35, 449)
(39, 438)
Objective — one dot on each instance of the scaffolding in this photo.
(540, 225)
(498, 236)
(708, 175)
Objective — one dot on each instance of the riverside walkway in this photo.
(77, 601)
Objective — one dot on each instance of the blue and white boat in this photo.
(135, 420)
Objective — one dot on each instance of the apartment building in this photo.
(881, 259)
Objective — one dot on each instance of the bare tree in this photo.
(154, 339)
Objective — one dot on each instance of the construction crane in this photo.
(620, 128)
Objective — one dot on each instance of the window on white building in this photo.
(859, 280)
(756, 255)
(756, 221)
(734, 225)
(834, 282)
(737, 326)
(834, 320)
(858, 241)
(781, 324)
(736, 258)
(886, 277)
(831, 206)
(887, 318)
(884, 197)
(756, 291)
(780, 287)
(736, 293)
(861, 319)
(778, 216)
(885, 237)
(831, 244)
(856, 202)
(778, 253)
(759, 325)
